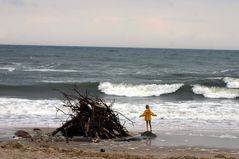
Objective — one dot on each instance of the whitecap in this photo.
(231, 82)
(10, 69)
(60, 81)
(228, 136)
(142, 90)
(48, 70)
(215, 92)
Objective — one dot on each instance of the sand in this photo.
(112, 150)
(143, 149)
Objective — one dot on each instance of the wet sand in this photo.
(205, 138)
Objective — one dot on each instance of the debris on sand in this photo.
(90, 118)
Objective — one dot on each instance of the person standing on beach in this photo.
(147, 115)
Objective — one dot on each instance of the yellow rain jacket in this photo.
(147, 114)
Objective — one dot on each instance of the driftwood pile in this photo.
(90, 118)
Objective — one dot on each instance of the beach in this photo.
(165, 145)
(111, 149)
(111, 79)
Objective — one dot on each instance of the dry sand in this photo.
(22, 149)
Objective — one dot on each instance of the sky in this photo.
(201, 24)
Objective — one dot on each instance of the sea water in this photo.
(187, 89)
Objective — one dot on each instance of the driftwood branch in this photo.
(91, 118)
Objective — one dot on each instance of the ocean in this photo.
(188, 89)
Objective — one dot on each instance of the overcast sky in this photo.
(212, 24)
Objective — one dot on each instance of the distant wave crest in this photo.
(143, 90)
(48, 70)
(215, 92)
(10, 69)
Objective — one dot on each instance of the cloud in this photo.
(145, 23)
(12, 2)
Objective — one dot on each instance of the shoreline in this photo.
(166, 145)
(228, 139)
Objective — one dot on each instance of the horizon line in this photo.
(120, 47)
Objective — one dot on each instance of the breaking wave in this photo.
(226, 88)
(231, 82)
(143, 90)
(215, 92)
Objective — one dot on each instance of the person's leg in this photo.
(147, 125)
(150, 125)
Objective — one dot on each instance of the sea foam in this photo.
(231, 82)
(183, 115)
(26, 112)
(170, 114)
(142, 90)
(215, 92)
